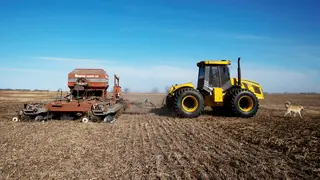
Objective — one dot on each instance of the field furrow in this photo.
(178, 151)
(189, 149)
(162, 150)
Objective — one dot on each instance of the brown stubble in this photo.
(152, 146)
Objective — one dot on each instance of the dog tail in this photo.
(286, 104)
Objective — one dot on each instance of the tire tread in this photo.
(177, 109)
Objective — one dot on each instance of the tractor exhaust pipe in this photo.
(239, 72)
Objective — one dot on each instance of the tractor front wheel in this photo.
(242, 102)
(188, 103)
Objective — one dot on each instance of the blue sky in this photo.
(158, 43)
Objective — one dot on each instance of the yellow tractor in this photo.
(216, 89)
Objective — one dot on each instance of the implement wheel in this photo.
(242, 103)
(15, 119)
(188, 103)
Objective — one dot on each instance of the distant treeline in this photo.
(38, 90)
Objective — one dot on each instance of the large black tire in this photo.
(241, 102)
(188, 103)
(169, 102)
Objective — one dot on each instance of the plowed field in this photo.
(158, 146)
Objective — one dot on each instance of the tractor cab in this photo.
(213, 74)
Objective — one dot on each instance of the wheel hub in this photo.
(245, 103)
(189, 103)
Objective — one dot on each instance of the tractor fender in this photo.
(174, 88)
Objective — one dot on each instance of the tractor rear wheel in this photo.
(188, 103)
(169, 102)
(241, 103)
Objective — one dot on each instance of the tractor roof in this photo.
(214, 62)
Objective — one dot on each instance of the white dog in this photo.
(293, 109)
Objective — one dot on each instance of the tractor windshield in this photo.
(213, 76)
(224, 74)
(214, 79)
(218, 76)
